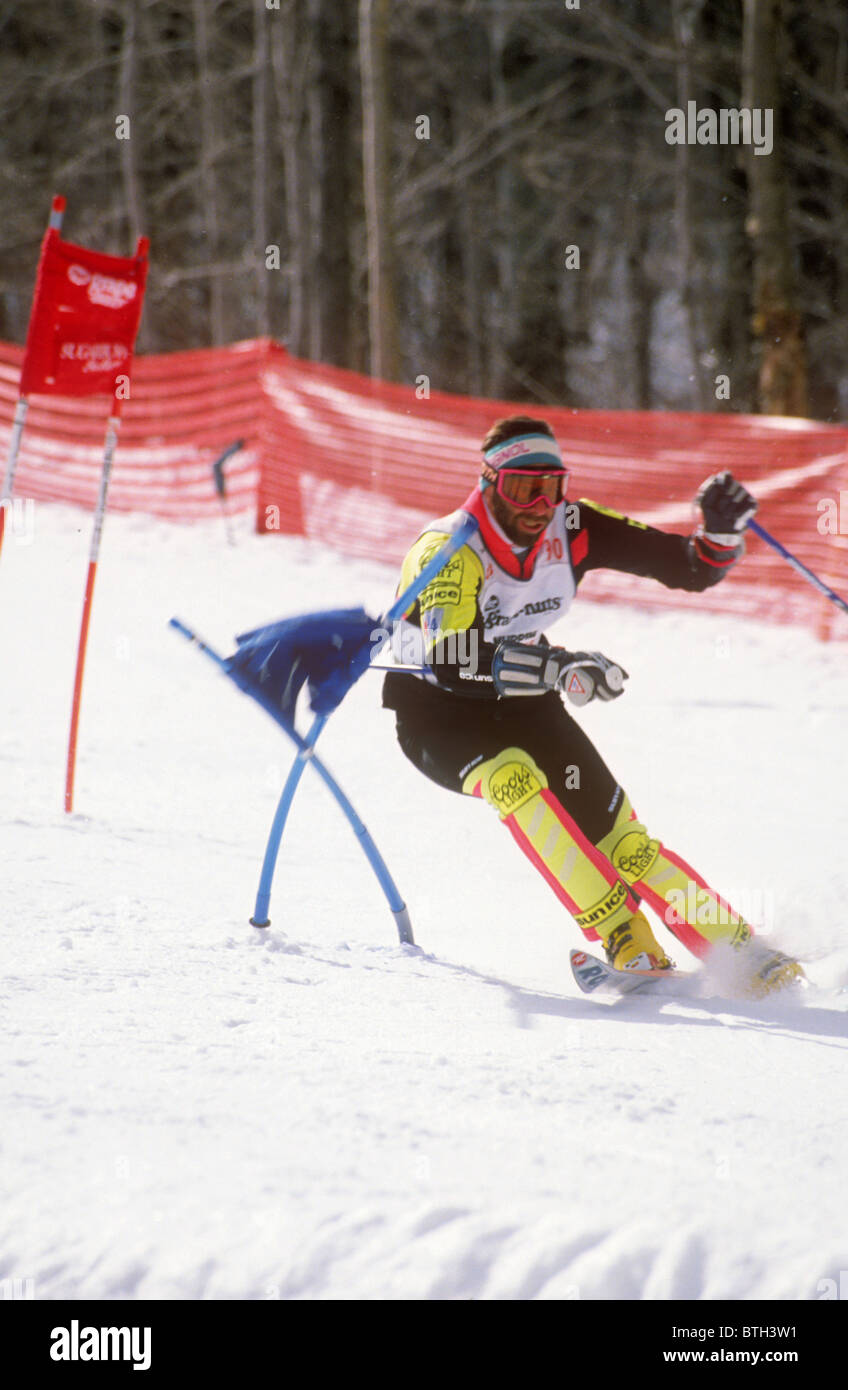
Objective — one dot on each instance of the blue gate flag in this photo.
(328, 650)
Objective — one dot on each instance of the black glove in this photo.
(727, 508)
(523, 668)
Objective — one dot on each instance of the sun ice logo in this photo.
(579, 958)
(605, 908)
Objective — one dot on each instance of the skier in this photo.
(484, 716)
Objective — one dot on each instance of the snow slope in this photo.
(192, 1109)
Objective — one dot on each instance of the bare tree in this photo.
(778, 330)
(684, 18)
(382, 321)
(127, 106)
(292, 122)
(261, 17)
(289, 71)
(208, 177)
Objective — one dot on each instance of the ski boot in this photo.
(768, 970)
(633, 946)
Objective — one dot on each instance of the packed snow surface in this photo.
(192, 1108)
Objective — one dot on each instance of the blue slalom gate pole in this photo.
(260, 916)
(397, 610)
(404, 601)
(306, 755)
(399, 909)
(797, 565)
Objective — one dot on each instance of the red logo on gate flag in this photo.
(84, 319)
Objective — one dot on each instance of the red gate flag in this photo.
(84, 319)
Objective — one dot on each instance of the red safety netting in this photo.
(361, 465)
(185, 408)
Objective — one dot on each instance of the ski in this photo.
(594, 975)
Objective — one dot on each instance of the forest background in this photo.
(478, 191)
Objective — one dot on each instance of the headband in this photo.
(525, 451)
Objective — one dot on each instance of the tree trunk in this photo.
(128, 148)
(330, 157)
(288, 86)
(382, 321)
(505, 310)
(777, 323)
(208, 182)
(641, 309)
(684, 19)
(472, 300)
(261, 17)
(127, 107)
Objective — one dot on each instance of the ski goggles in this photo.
(525, 487)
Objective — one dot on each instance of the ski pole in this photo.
(797, 565)
(221, 485)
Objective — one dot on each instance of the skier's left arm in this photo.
(605, 539)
